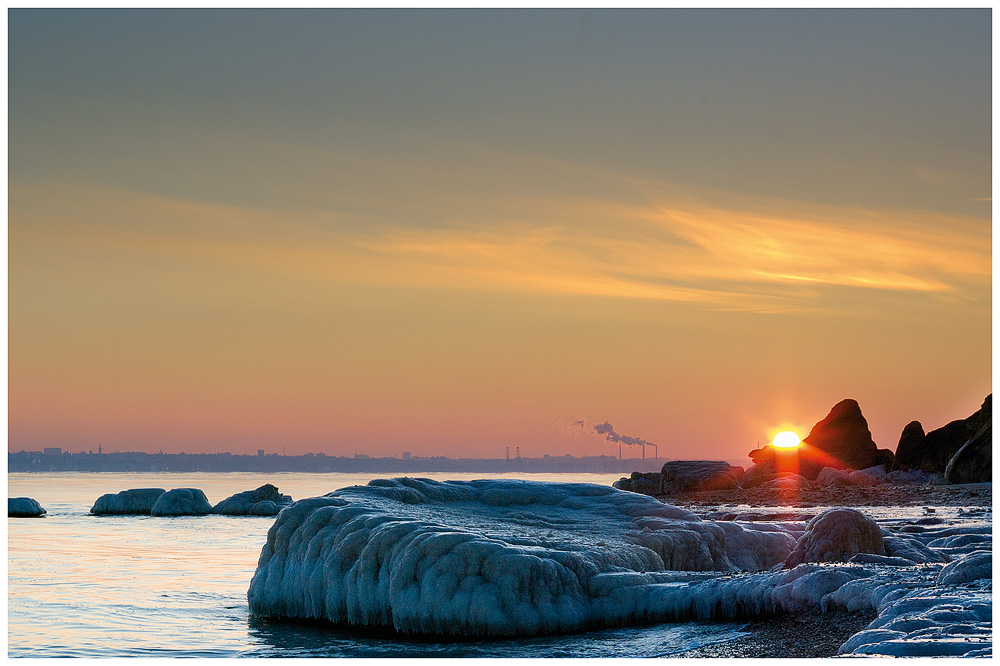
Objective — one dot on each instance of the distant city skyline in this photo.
(453, 231)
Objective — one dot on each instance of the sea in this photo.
(80, 585)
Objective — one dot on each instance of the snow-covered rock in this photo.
(263, 501)
(836, 535)
(137, 501)
(24, 507)
(182, 502)
(494, 557)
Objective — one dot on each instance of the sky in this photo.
(450, 232)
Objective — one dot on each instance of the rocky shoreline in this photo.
(814, 635)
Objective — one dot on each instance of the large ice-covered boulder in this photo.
(492, 557)
(136, 501)
(24, 507)
(837, 535)
(182, 502)
(695, 475)
(263, 501)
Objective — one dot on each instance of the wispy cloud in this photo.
(659, 242)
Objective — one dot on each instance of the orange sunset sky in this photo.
(449, 232)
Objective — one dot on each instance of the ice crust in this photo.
(504, 557)
(181, 502)
(24, 507)
(136, 501)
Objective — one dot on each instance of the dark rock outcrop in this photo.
(840, 441)
(973, 463)
(932, 452)
(694, 475)
(264, 501)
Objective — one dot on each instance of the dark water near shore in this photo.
(113, 586)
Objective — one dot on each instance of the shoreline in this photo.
(815, 634)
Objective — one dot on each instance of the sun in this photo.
(786, 439)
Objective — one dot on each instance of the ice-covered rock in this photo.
(696, 475)
(836, 535)
(927, 623)
(831, 476)
(911, 549)
(871, 476)
(786, 482)
(181, 502)
(911, 477)
(494, 557)
(974, 566)
(263, 501)
(24, 507)
(647, 483)
(137, 501)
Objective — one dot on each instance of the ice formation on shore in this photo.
(24, 507)
(137, 501)
(490, 557)
(181, 502)
(504, 557)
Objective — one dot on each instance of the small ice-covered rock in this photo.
(646, 483)
(24, 507)
(263, 501)
(136, 501)
(786, 482)
(831, 476)
(836, 535)
(912, 550)
(973, 566)
(909, 477)
(496, 557)
(871, 476)
(182, 502)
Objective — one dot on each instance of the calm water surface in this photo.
(109, 586)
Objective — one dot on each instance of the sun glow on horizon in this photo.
(786, 439)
